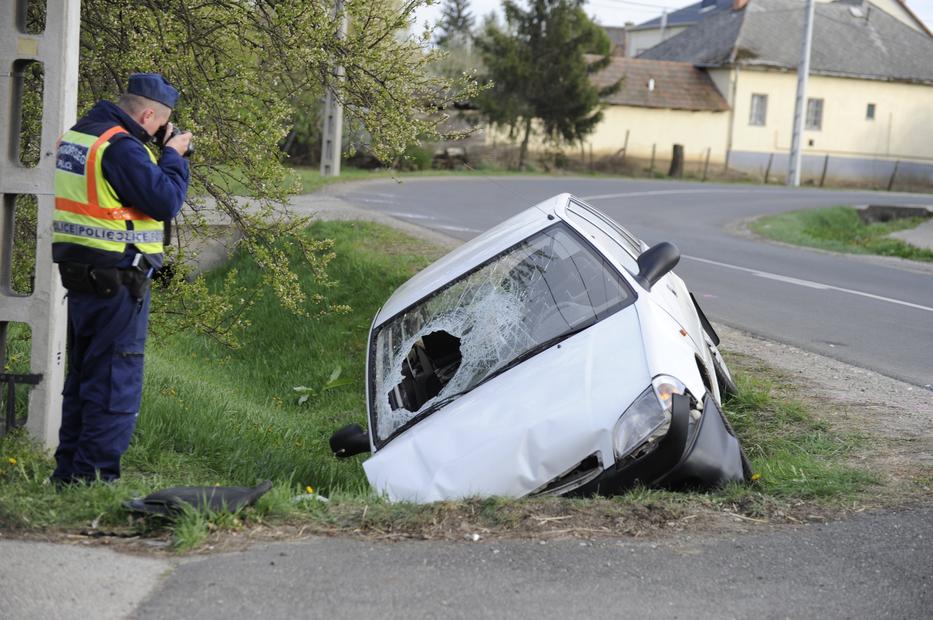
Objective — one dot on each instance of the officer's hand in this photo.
(166, 135)
(180, 142)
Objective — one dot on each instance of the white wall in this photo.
(639, 40)
(648, 127)
(902, 127)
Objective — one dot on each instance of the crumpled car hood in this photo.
(515, 433)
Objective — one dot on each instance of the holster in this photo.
(136, 282)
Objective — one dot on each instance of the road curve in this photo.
(869, 312)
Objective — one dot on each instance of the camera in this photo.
(160, 138)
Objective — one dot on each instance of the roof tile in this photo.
(767, 33)
(677, 85)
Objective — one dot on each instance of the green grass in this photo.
(310, 179)
(217, 416)
(239, 410)
(795, 454)
(839, 229)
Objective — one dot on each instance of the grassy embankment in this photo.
(217, 416)
(839, 229)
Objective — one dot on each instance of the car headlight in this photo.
(648, 418)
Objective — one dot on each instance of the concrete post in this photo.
(44, 310)
(677, 161)
(332, 135)
(803, 71)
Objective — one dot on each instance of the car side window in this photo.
(624, 249)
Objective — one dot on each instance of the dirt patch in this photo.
(894, 417)
(493, 519)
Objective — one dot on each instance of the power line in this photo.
(647, 5)
(637, 9)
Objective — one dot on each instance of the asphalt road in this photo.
(873, 566)
(869, 312)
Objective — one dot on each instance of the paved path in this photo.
(877, 566)
(43, 581)
(921, 236)
(872, 312)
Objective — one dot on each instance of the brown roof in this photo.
(677, 85)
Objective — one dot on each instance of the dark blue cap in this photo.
(153, 86)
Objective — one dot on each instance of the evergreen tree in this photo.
(456, 25)
(538, 70)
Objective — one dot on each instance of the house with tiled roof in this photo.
(724, 86)
(646, 35)
(658, 104)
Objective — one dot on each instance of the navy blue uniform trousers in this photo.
(103, 388)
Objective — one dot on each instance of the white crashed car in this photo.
(554, 354)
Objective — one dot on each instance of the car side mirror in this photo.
(655, 262)
(349, 440)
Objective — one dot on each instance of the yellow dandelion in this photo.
(11, 461)
(309, 489)
(756, 477)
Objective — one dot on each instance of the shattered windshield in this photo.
(526, 299)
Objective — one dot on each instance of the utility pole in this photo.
(663, 23)
(803, 71)
(331, 140)
(43, 310)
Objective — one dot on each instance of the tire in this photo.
(746, 466)
(727, 387)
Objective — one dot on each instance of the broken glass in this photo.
(520, 302)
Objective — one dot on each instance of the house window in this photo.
(815, 114)
(758, 114)
(870, 112)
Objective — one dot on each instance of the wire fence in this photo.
(712, 164)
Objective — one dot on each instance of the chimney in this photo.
(738, 5)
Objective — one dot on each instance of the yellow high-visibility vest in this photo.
(88, 212)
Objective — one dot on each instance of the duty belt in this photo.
(108, 234)
(103, 281)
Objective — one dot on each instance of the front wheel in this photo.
(727, 387)
(747, 472)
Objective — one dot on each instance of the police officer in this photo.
(111, 198)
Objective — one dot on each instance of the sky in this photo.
(617, 12)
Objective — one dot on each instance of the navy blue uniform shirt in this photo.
(158, 190)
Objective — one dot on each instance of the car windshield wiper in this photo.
(437, 404)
